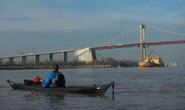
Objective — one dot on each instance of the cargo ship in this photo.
(152, 61)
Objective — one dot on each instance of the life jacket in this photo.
(59, 80)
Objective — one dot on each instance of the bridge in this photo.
(147, 44)
(88, 54)
(37, 55)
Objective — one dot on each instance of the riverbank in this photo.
(48, 67)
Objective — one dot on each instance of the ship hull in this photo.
(154, 65)
(153, 62)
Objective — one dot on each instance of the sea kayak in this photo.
(94, 89)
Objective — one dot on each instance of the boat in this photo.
(94, 89)
(172, 64)
(152, 61)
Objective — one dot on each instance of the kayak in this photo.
(94, 89)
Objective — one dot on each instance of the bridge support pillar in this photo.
(36, 59)
(86, 55)
(11, 60)
(23, 60)
(64, 56)
(142, 41)
(50, 57)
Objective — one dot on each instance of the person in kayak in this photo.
(55, 78)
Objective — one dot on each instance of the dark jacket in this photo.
(60, 81)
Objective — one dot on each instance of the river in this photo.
(135, 89)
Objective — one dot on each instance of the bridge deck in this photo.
(138, 44)
(99, 48)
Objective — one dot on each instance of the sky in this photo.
(46, 25)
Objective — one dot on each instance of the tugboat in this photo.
(152, 61)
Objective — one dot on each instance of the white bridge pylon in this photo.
(86, 55)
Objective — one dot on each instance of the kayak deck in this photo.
(101, 89)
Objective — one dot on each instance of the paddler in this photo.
(55, 78)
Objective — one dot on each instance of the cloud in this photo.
(49, 19)
(44, 18)
(17, 19)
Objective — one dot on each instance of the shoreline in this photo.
(48, 67)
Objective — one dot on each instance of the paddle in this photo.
(112, 89)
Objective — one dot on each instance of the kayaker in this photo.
(55, 78)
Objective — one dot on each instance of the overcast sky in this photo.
(44, 25)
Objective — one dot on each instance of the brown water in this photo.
(135, 89)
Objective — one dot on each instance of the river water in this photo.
(135, 89)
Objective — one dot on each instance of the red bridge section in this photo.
(138, 44)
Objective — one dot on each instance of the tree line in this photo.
(103, 61)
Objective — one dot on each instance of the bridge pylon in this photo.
(36, 60)
(64, 56)
(11, 60)
(142, 41)
(50, 57)
(23, 60)
(86, 55)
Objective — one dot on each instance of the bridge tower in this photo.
(142, 41)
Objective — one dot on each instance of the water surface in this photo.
(135, 89)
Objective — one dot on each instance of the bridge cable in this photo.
(119, 37)
(170, 32)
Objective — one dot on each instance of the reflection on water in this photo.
(135, 89)
(53, 100)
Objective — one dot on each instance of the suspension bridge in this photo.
(136, 35)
